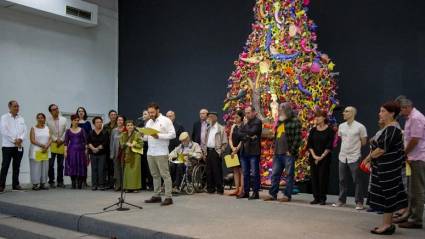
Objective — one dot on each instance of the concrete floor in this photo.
(214, 216)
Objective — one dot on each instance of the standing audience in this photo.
(147, 181)
(176, 169)
(235, 144)
(287, 144)
(319, 145)
(353, 136)
(13, 130)
(76, 153)
(200, 128)
(115, 153)
(109, 163)
(215, 144)
(97, 142)
(387, 158)
(250, 133)
(57, 127)
(414, 141)
(39, 153)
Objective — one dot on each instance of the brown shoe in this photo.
(167, 201)
(269, 198)
(410, 225)
(154, 200)
(399, 220)
(284, 199)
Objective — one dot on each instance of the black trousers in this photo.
(9, 154)
(147, 180)
(320, 178)
(214, 172)
(177, 172)
(97, 170)
(108, 171)
(59, 164)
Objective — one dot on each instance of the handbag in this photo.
(363, 166)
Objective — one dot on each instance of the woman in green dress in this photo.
(131, 144)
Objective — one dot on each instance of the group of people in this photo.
(122, 157)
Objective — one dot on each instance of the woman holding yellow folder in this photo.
(131, 144)
(39, 153)
(235, 145)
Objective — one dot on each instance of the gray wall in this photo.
(43, 61)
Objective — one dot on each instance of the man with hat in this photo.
(190, 152)
(215, 143)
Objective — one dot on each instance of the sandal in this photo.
(389, 231)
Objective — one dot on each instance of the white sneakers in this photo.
(338, 204)
(359, 206)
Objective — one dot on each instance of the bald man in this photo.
(200, 127)
(353, 136)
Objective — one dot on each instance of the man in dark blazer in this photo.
(200, 127)
(250, 133)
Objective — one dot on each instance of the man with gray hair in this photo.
(414, 140)
(353, 136)
(287, 144)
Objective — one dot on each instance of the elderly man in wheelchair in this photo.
(186, 156)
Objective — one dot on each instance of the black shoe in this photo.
(61, 185)
(52, 185)
(254, 196)
(154, 200)
(35, 187)
(16, 188)
(244, 195)
(314, 202)
(94, 188)
(167, 202)
(1, 189)
(389, 231)
(43, 187)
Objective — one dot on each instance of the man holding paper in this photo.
(57, 127)
(159, 130)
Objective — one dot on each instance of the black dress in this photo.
(319, 141)
(386, 188)
(236, 139)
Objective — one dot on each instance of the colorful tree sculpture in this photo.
(281, 63)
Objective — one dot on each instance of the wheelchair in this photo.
(199, 177)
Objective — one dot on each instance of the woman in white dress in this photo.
(39, 153)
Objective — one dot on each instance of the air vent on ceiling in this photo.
(78, 13)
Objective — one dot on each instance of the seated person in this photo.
(190, 152)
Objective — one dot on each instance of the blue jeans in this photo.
(251, 167)
(281, 162)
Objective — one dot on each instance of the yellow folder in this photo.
(41, 156)
(408, 170)
(57, 150)
(148, 131)
(231, 161)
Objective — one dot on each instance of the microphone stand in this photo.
(121, 199)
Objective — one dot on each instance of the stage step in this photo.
(16, 228)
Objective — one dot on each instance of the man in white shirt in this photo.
(353, 136)
(215, 144)
(13, 131)
(57, 128)
(158, 154)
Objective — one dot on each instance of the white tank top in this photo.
(42, 137)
